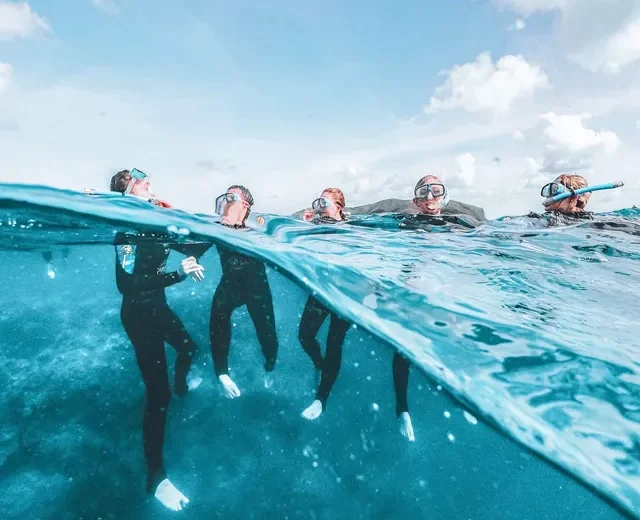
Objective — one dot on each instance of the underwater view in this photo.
(523, 367)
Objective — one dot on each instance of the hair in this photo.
(575, 182)
(246, 195)
(338, 196)
(120, 181)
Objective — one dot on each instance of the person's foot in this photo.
(314, 411)
(183, 387)
(169, 496)
(51, 271)
(268, 380)
(193, 383)
(230, 389)
(406, 428)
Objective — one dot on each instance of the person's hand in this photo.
(260, 221)
(190, 266)
(308, 215)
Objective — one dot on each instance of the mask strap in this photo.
(130, 186)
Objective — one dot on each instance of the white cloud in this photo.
(518, 135)
(518, 25)
(6, 74)
(613, 39)
(466, 168)
(17, 20)
(482, 86)
(572, 146)
(569, 132)
(108, 6)
(613, 50)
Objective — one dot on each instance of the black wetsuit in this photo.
(149, 323)
(244, 282)
(312, 319)
(436, 222)
(314, 315)
(554, 218)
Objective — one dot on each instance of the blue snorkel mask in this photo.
(555, 192)
(438, 191)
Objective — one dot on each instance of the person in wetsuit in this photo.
(244, 282)
(430, 195)
(328, 209)
(148, 321)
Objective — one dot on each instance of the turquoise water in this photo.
(524, 392)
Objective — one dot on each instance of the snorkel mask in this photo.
(555, 192)
(228, 198)
(438, 191)
(321, 204)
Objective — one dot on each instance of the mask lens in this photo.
(437, 190)
(552, 189)
(421, 193)
(223, 200)
(320, 204)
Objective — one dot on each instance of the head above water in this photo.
(335, 209)
(235, 213)
(125, 182)
(435, 198)
(575, 203)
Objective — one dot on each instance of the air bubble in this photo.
(470, 418)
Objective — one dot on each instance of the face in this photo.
(332, 211)
(570, 205)
(430, 205)
(142, 188)
(235, 212)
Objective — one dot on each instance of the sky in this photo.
(288, 97)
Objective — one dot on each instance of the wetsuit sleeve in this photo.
(132, 278)
(195, 250)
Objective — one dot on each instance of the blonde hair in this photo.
(575, 182)
(339, 199)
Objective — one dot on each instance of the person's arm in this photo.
(134, 278)
(135, 273)
(196, 250)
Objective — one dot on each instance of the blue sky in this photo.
(289, 97)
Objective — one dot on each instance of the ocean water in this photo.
(524, 389)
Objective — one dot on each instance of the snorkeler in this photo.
(244, 282)
(565, 201)
(149, 322)
(328, 209)
(430, 195)
(572, 206)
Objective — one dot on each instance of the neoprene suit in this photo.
(244, 282)
(149, 322)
